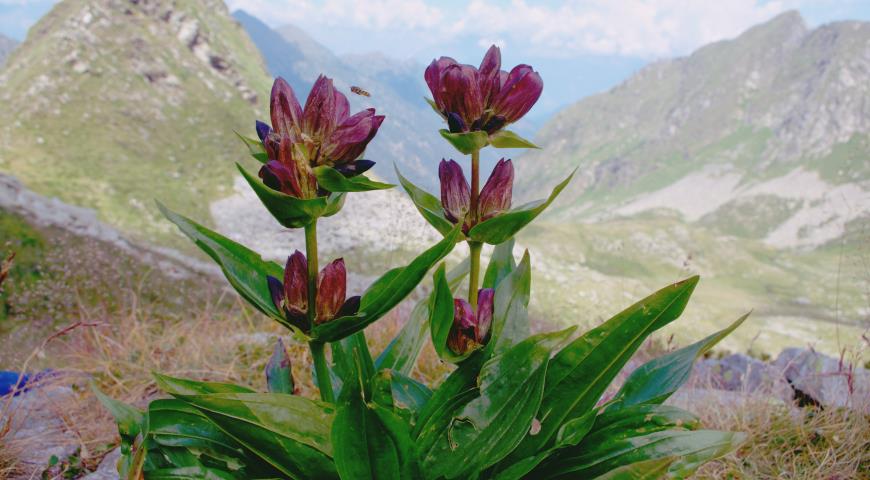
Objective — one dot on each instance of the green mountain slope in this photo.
(746, 162)
(6, 46)
(110, 104)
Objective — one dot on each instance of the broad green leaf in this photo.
(658, 379)
(501, 264)
(466, 142)
(352, 361)
(484, 429)
(244, 269)
(510, 317)
(386, 292)
(370, 441)
(402, 352)
(290, 211)
(505, 225)
(279, 374)
(183, 386)
(289, 432)
(639, 420)
(198, 472)
(441, 318)
(255, 147)
(582, 371)
(645, 470)
(332, 180)
(461, 383)
(408, 393)
(509, 139)
(428, 205)
(689, 448)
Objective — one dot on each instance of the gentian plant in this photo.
(515, 406)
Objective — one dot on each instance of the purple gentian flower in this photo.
(470, 330)
(322, 133)
(495, 196)
(485, 98)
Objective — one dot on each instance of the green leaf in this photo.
(198, 472)
(428, 205)
(646, 470)
(690, 449)
(484, 429)
(289, 211)
(366, 447)
(658, 379)
(408, 393)
(441, 312)
(466, 142)
(402, 352)
(509, 139)
(182, 386)
(131, 421)
(582, 371)
(255, 147)
(510, 317)
(332, 180)
(434, 107)
(461, 383)
(386, 292)
(352, 361)
(505, 225)
(501, 264)
(244, 269)
(289, 432)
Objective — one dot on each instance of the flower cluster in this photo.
(322, 133)
(291, 295)
(495, 197)
(470, 329)
(485, 98)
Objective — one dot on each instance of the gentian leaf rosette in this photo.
(311, 155)
(495, 221)
(478, 102)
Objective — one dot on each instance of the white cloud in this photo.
(644, 28)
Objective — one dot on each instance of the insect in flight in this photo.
(360, 91)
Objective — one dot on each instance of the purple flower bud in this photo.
(489, 74)
(455, 191)
(461, 83)
(331, 291)
(279, 375)
(323, 109)
(470, 330)
(296, 284)
(433, 75)
(263, 130)
(518, 94)
(358, 167)
(285, 110)
(495, 197)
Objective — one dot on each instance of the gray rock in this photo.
(108, 469)
(742, 373)
(825, 379)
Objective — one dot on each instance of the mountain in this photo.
(745, 162)
(6, 46)
(110, 104)
(409, 136)
(765, 136)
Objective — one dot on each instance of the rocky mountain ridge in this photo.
(6, 46)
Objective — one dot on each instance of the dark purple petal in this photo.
(495, 197)
(263, 130)
(276, 288)
(433, 75)
(460, 87)
(485, 297)
(284, 107)
(280, 177)
(356, 168)
(348, 141)
(460, 339)
(331, 290)
(319, 115)
(455, 191)
(296, 283)
(455, 123)
(489, 74)
(494, 124)
(349, 307)
(519, 93)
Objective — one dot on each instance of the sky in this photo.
(580, 47)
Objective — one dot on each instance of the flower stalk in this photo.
(318, 352)
(474, 247)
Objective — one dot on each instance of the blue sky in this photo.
(580, 47)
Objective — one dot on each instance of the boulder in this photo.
(825, 380)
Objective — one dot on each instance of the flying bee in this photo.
(360, 91)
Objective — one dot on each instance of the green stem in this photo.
(474, 247)
(324, 381)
